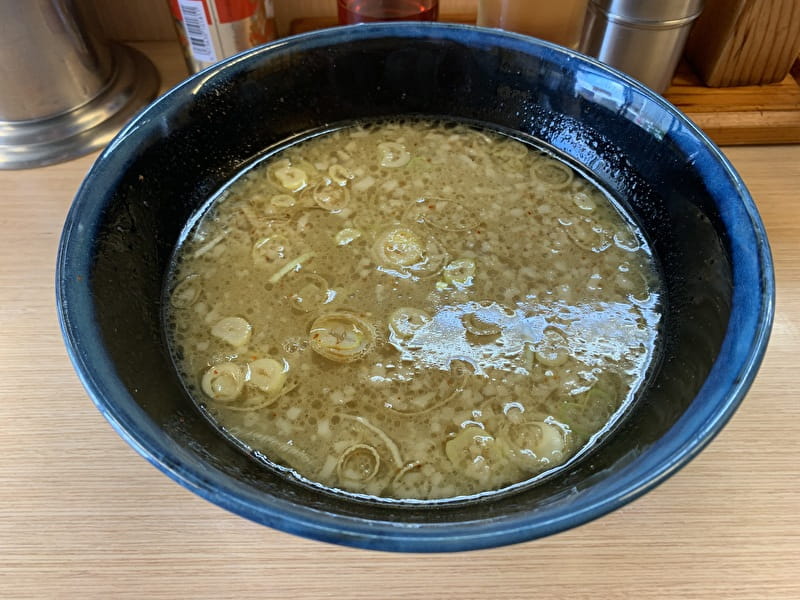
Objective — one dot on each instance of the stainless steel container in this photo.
(65, 91)
(643, 38)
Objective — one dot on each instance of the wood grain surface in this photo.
(149, 20)
(745, 42)
(83, 516)
(748, 114)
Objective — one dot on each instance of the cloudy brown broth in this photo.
(413, 310)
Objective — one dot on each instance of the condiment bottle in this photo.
(559, 22)
(369, 11)
(210, 30)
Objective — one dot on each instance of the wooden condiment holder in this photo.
(745, 42)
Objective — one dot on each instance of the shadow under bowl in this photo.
(134, 203)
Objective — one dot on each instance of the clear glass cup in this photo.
(559, 22)
(368, 11)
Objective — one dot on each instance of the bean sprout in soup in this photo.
(413, 310)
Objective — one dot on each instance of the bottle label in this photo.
(210, 30)
(196, 21)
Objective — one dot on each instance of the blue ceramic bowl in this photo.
(130, 210)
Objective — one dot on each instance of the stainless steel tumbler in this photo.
(65, 90)
(643, 38)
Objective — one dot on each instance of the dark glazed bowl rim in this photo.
(730, 378)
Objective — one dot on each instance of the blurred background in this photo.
(150, 20)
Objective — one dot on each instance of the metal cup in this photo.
(65, 90)
(643, 38)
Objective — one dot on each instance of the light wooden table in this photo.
(83, 516)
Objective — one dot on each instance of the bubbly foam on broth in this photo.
(414, 310)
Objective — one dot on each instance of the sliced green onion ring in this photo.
(346, 236)
(341, 336)
(223, 382)
(285, 176)
(534, 445)
(479, 327)
(311, 291)
(406, 321)
(553, 350)
(394, 451)
(405, 250)
(332, 198)
(399, 247)
(267, 374)
(340, 174)
(235, 331)
(475, 453)
(555, 174)
(460, 272)
(186, 292)
(358, 464)
(393, 155)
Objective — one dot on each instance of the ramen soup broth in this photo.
(413, 310)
